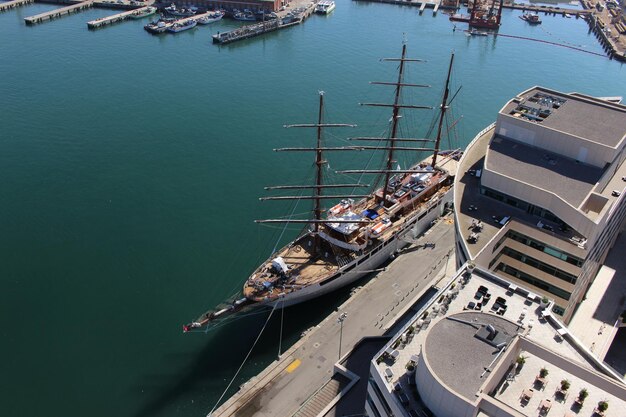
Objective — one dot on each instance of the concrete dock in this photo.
(15, 3)
(546, 9)
(109, 20)
(257, 29)
(609, 27)
(53, 14)
(304, 380)
(421, 4)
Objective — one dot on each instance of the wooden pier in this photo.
(53, 14)
(109, 20)
(12, 4)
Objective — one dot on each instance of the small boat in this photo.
(184, 12)
(179, 27)
(289, 18)
(158, 26)
(474, 32)
(567, 15)
(325, 7)
(148, 12)
(531, 18)
(206, 20)
(245, 16)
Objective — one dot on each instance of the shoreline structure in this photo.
(607, 24)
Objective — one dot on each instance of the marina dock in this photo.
(546, 10)
(53, 14)
(297, 384)
(15, 3)
(422, 5)
(250, 31)
(119, 17)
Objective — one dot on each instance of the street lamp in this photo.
(340, 320)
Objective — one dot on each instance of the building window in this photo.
(533, 281)
(552, 251)
(548, 269)
(373, 406)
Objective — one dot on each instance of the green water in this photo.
(130, 171)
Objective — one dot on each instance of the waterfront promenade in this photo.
(288, 383)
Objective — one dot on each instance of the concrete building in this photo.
(461, 356)
(539, 198)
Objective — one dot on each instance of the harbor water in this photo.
(131, 167)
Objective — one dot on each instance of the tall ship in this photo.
(357, 235)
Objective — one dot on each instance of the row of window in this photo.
(548, 269)
(522, 205)
(540, 246)
(533, 281)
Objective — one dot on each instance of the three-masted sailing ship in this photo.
(340, 245)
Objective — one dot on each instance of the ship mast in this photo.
(442, 113)
(396, 106)
(319, 162)
(319, 185)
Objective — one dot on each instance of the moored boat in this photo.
(180, 27)
(206, 20)
(357, 235)
(147, 12)
(158, 26)
(531, 18)
(325, 7)
(172, 10)
(245, 16)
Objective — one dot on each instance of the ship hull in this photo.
(363, 265)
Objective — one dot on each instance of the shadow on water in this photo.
(206, 374)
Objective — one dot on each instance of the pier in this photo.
(250, 31)
(422, 5)
(53, 14)
(109, 20)
(15, 3)
(546, 9)
(304, 380)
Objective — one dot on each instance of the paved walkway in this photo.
(286, 384)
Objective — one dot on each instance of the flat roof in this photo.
(458, 357)
(449, 347)
(570, 180)
(509, 391)
(471, 205)
(574, 113)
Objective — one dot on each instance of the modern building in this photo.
(484, 346)
(539, 197)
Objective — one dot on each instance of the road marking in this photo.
(292, 367)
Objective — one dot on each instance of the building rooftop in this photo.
(471, 205)
(457, 356)
(570, 180)
(571, 114)
(510, 391)
(448, 340)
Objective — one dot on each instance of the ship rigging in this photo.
(355, 236)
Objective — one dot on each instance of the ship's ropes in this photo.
(244, 360)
